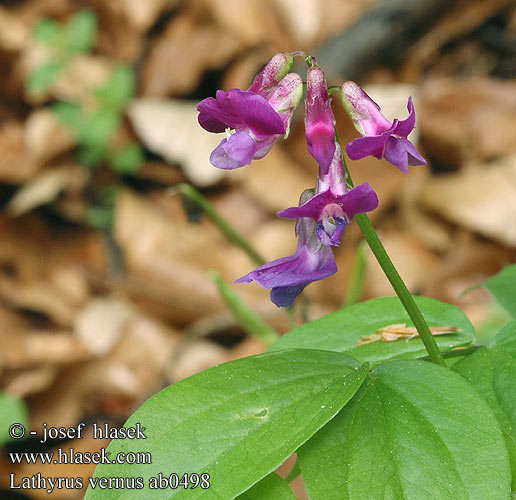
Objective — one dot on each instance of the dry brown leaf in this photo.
(415, 263)
(481, 198)
(114, 384)
(170, 128)
(46, 187)
(100, 323)
(142, 15)
(15, 166)
(82, 75)
(391, 333)
(252, 21)
(42, 271)
(180, 56)
(274, 181)
(468, 120)
(197, 356)
(13, 32)
(338, 15)
(45, 136)
(31, 381)
(27, 348)
(87, 444)
(303, 19)
(166, 256)
(462, 20)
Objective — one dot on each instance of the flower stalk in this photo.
(400, 288)
(231, 234)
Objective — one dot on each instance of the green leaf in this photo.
(43, 76)
(80, 33)
(100, 217)
(12, 411)
(503, 288)
(237, 421)
(92, 155)
(493, 374)
(70, 114)
(47, 30)
(341, 331)
(119, 89)
(271, 487)
(92, 131)
(413, 431)
(96, 129)
(127, 159)
(505, 339)
(246, 317)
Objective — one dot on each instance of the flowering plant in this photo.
(369, 416)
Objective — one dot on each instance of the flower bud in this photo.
(279, 66)
(285, 98)
(319, 120)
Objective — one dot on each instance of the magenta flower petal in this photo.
(234, 152)
(380, 138)
(319, 119)
(365, 113)
(402, 153)
(254, 112)
(404, 127)
(274, 71)
(288, 276)
(358, 200)
(209, 117)
(284, 296)
(293, 272)
(366, 146)
(238, 109)
(217, 114)
(332, 213)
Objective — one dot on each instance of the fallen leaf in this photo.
(13, 32)
(45, 136)
(46, 187)
(251, 22)
(170, 129)
(183, 52)
(464, 120)
(391, 333)
(100, 323)
(481, 198)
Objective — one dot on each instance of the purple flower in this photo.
(333, 213)
(288, 276)
(333, 207)
(265, 81)
(319, 119)
(256, 120)
(382, 139)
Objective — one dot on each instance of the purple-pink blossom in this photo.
(253, 118)
(381, 138)
(288, 276)
(319, 119)
(333, 206)
(333, 213)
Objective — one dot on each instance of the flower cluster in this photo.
(255, 118)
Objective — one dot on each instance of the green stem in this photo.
(246, 317)
(231, 234)
(395, 280)
(400, 288)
